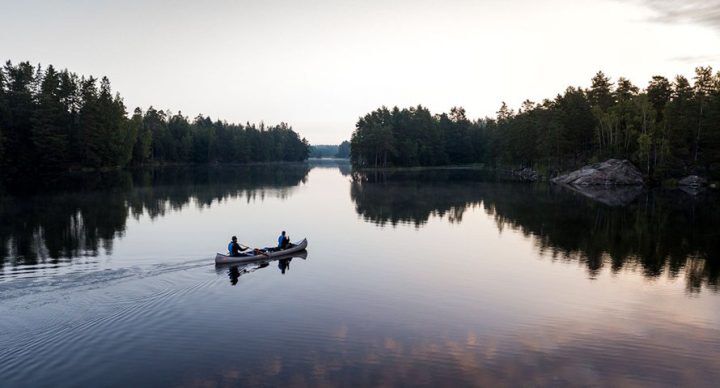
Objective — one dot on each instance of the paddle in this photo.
(255, 251)
(244, 247)
(261, 253)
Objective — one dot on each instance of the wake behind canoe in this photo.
(225, 259)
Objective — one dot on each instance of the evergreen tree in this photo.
(659, 92)
(18, 118)
(601, 93)
(54, 120)
(89, 125)
(343, 150)
(50, 123)
(703, 89)
(142, 148)
(678, 116)
(668, 129)
(4, 113)
(180, 137)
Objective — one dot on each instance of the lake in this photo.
(412, 277)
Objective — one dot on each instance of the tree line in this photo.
(341, 151)
(668, 129)
(54, 119)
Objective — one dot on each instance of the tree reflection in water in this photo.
(659, 230)
(77, 215)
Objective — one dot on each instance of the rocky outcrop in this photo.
(612, 172)
(692, 181)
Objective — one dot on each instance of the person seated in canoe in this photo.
(234, 248)
(283, 241)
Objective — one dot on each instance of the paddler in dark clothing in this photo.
(234, 248)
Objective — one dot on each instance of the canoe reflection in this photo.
(234, 271)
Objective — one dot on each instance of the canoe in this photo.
(225, 259)
(253, 266)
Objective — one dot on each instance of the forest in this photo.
(669, 128)
(56, 120)
(341, 151)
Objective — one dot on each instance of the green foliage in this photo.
(323, 151)
(670, 183)
(406, 137)
(4, 112)
(142, 147)
(17, 118)
(669, 129)
(600, 93)
(54, 120)
(50, 121)
(343, 150)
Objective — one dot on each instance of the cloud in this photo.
(703, 12)
(566, 352)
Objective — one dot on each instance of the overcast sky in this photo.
(321, 64)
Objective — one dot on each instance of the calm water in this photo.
(439, 277)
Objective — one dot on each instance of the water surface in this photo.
(421, 277)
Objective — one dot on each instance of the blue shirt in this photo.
(280, 240)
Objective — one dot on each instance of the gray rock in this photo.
(692, 181)
(526, 174)
(612, 172)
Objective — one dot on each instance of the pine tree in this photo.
(343, 150)
(154, 121)
(703, 87)
(142, 147)
(50, 123)
(90, 152)
(4, 113)
(659, 92)
(600, 93)
(20, 107)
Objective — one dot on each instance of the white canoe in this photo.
(225, 259)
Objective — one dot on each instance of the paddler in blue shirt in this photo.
(234, 248)
(283, 240)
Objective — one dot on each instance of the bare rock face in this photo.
(693, 181)
(612, 172)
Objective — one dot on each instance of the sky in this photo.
(321, 64)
